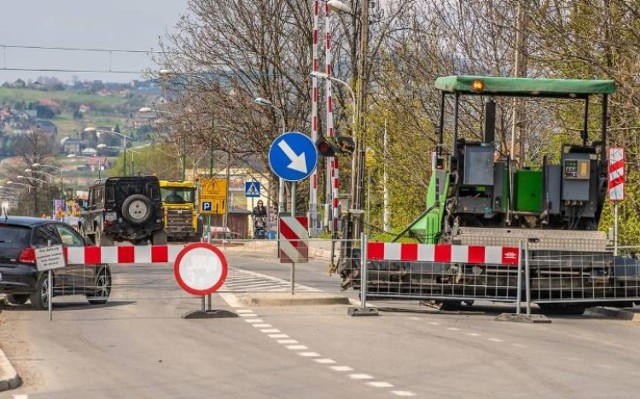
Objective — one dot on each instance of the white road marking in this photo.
(296, 347)
(495, 339)
(379, 384)
(325, 361)
(291, 344)
(341, 368)
(433, 323)
(473, 334)
(403, 393)
(287, 341)
(453, 329)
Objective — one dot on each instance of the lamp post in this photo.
(124, 143)
(266, 103)
(29, 186)
(183, 150)
(37, 165)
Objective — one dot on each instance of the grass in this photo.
(11, 95)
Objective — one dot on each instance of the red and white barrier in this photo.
(123, 254)
(442, 253)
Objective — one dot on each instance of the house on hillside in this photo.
(46, 126)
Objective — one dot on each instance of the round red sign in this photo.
(200, 268)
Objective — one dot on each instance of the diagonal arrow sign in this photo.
(298, 162)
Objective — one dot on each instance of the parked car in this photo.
(126, 208)
(20, 279)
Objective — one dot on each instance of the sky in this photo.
(89, 24)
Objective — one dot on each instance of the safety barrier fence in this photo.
(147, 272)
(465, 273)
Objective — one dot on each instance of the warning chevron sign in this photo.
(616, 173)
(252, 189)
(294, 239)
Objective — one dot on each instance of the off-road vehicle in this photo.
(124, 209)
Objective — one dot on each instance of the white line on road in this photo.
(379, 384)
(361, 376)
(341, 368)
(270, 330)
(403, 393)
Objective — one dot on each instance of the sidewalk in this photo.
(9, 378)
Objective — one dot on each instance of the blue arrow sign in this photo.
(293, 156)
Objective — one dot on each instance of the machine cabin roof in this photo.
(524, 87)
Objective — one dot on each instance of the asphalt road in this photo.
(138, 346)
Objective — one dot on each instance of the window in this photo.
(69, 237)
(46, 235)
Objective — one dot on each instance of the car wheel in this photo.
(40, 297)
(136, 209)
(159, 238)
(18, 299)
(102, 289)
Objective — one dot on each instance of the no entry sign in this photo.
(200, 268)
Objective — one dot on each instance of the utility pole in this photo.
(520, 70)
(357, 184)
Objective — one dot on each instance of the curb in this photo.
(9, 378)
(299, 299)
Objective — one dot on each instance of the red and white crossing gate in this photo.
(294, 239)
(616, 174)
(123, 254)
(411, 252)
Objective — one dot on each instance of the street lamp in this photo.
(337, 5)
(266, 103)
(32, 178)
(29, 186)
(124, 143)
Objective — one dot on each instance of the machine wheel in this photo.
(102, 289)
(159, 238)
(18, 299)
(136, 209)
(40, 298)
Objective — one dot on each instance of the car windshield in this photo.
(119, 192)
(14, 235)
(177, 195)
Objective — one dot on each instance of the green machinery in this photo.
(475, 186)
(479, 196)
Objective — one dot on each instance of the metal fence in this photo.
(540, 276)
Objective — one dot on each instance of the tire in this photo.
(136, 209)
(40, 297)
(18, 299)
(102, 289)
(159, 238)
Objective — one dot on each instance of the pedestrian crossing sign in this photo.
(252, 189)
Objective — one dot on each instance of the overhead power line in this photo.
(103, 50)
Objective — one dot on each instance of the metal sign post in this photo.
(47, 259)
(293, 157)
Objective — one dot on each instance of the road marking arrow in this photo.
(298, 162)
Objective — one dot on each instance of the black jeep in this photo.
(124, 209)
